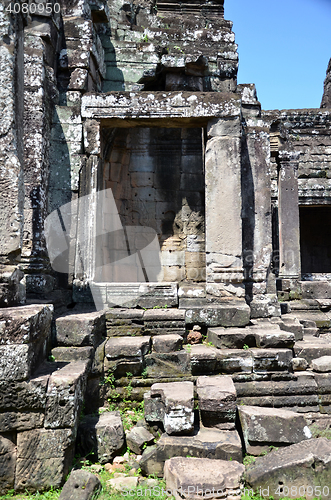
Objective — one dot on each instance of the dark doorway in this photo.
(315, 239)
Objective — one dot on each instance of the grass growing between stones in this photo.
(107, 492)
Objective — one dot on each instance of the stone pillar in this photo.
(289, 225)
(223, 201)
(256, 192)
(12, 292)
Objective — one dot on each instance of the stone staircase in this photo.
(271, 363)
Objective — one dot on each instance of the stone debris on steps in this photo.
(194, 478)
(102, 435)
(172, 404)
(82, 329)
(262, 426)
(304, 465)
(204, 443)
(322, 364)
(217, 398)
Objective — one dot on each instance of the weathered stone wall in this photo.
(11, 158)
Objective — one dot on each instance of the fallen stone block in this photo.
(43, 458)
(322, 364)
(263, 427)
(295, 471)
(7, 463)
(167, 365)
(81, 485)
(206, 443)
(103, 436)
(167, 343)
(192, 478)
(292, 325)
(123, 483)
(299, 364)
(84, 329)
(271, 339)
(137, 438)
(217, 401)
(65, 395)
(173, 404)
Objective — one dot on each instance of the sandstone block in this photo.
(312, 349)
(24, 395)
(304, 465)
(217, 401)
(207, 443)
(7, 464)
(169, 365)
(65, 395)
(26, 324)
(85, 329)
(204, 359)
(81, 485)
(263, 427)
(137, 438)
(43, 458)
(167, 343)
(135, 347)
(102, 435)
(72, 353)
(20, 421)
(322, 364)
(173, 403)
(197, 477)
(219, 315)
(231, 338)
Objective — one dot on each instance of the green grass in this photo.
(107, 493)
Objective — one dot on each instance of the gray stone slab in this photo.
(81, 485)
(235, 314)
(173, 404)
(85, 329)
(217, 401)
(167, 343)
(263, 427)
(302, 465)
(207, 443)
(136, 347)
(25, 324)
(102, 435)
(65, 395)
(191, 478)
(322, 364)
(168, 365)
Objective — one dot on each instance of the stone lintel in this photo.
(160, 105)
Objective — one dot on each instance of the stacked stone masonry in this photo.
(159, 231)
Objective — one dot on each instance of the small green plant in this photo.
(144, 373)
(51, 358)
(245, 346)
(248, 460)
(176, 47)
(188, 347)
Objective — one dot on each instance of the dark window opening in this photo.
(315, 239)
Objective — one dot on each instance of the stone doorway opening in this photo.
(315, 240)
(157, 178)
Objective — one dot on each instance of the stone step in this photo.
(255, 336)
(80, 329)
(205, 313)
(311, 348)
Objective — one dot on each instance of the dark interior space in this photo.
(315, 239)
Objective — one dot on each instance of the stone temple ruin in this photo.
(139, 99)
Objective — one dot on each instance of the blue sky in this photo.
(284, 48)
